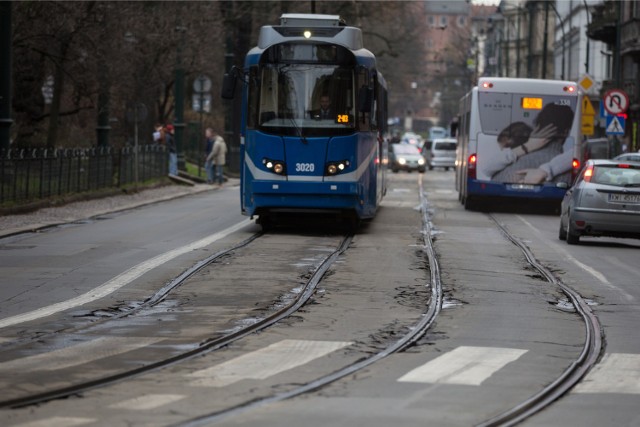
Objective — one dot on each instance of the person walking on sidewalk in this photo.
(218, 157)
(208, 164)
(173, 153)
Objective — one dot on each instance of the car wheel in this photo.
(573, 238)
(430, 167)
(562, 232)
(394, 170)
(446, 168)
(421, 170)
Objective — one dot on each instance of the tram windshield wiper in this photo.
(299, 131)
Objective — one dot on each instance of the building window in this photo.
(443, 21)
(461, 21)
(431, 20)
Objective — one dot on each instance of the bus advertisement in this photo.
(518, 138)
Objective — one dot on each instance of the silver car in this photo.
(603, 201)
(405, 157)
(441, 152)
(628, 157)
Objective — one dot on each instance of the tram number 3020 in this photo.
(305, 167)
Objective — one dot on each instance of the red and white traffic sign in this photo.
(616, 101)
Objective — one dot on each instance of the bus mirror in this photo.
(229, 85)
(365, 95)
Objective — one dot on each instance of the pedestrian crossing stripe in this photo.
(77, 354)
(616, 373)
(266, 362)
(58, 422)
(147, 402)
(463, 366)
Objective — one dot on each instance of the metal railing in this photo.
(32, 174)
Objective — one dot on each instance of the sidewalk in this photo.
(76, 211)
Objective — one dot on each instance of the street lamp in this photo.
(179, 99)
(5, 74)
(564, 37)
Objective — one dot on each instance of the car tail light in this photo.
(471, 166)
(624, 165)
(588, 173)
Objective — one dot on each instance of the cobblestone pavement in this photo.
(13, 224)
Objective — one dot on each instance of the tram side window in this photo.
(254, 99)
(363, 118)
(268, 95)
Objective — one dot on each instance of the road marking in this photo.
(595, 273)
(463, 365)
(266, 362)
(78, 354)
(616, 373)
(143, 403)
(120, 280)
(58, 422)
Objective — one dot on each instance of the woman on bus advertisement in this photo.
(532, 153)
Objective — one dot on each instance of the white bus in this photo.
(518, 138)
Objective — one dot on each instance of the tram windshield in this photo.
(296, 97)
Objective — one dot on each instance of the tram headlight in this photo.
(402, 160)
(334, 168)
(275, 166)
(421, 161)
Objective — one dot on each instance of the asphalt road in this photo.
(503, 332)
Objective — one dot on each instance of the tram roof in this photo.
(324, 28)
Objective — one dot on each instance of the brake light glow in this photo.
(487, 85)
(588, 173)
(569, 88)
(471, 166)
(575, 164)
(624, 165)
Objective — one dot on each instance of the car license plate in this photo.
(522, 187)
(624, 198)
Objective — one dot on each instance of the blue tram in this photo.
(314, 117)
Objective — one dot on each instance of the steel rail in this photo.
(427, 320)
(151, 301)
(593, 347)
(206, 347)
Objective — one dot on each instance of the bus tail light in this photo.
(575, 168)
(472, 161)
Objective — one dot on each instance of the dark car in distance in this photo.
(603, 201)
(405, 157)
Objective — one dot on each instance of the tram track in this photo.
(593, 347)
(127, 310)
(206, 345)
(416, 332)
